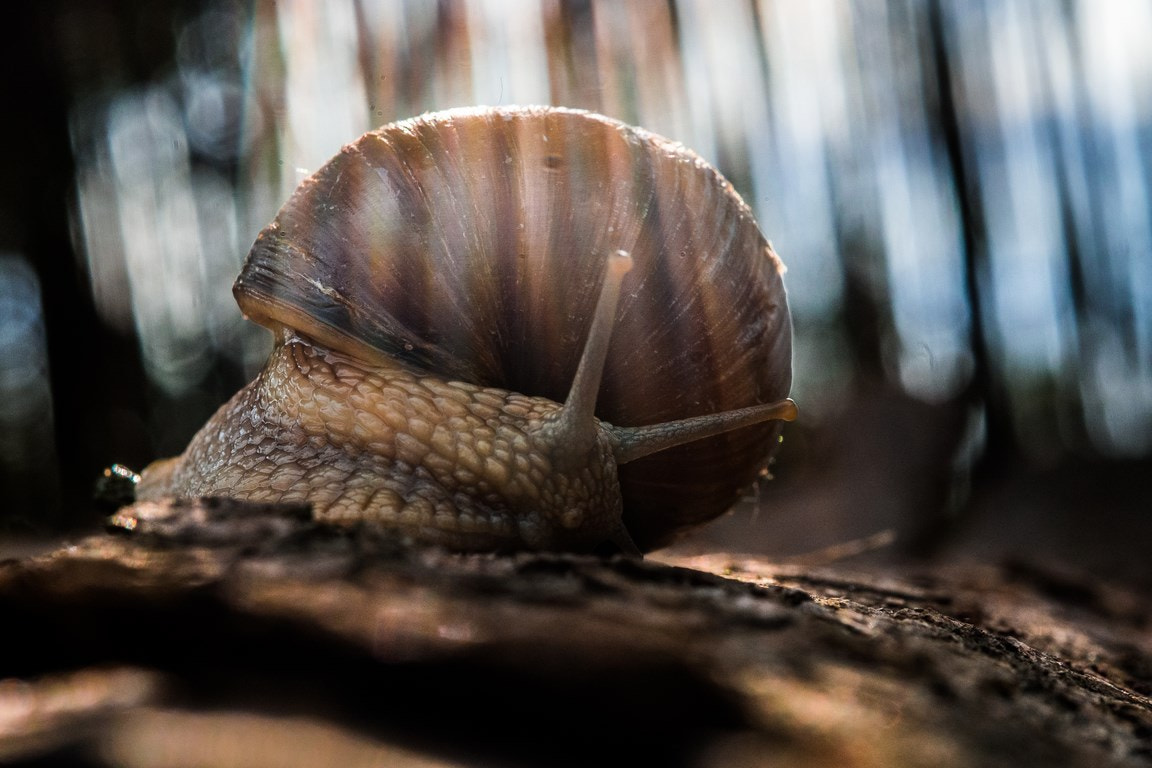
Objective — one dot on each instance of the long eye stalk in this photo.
(576, 426)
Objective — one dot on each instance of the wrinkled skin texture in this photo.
(447, 462)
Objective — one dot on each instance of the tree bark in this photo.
(213, 633)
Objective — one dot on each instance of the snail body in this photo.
(457, 297)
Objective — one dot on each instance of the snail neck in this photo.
(575, 426)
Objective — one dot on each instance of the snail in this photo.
(501, 328)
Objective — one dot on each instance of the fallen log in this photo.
(215, 633)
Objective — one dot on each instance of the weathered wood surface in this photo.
(215, 634)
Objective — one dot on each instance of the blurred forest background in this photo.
(960, 190)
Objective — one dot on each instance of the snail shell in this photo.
(460, 257)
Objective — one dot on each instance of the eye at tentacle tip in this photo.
(620, 262)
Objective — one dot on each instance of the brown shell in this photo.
(471, 244)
